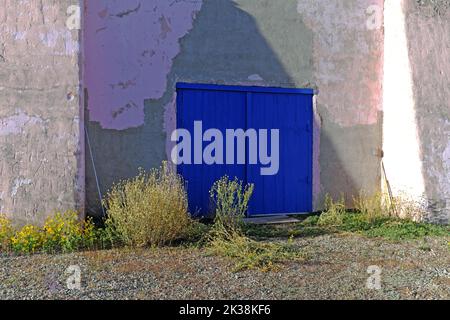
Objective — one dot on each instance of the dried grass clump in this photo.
(150, 209)
(382, 205)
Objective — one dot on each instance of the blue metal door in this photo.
(216, 110)
(288, 111)
(290, 190)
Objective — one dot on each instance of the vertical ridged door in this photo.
(226, 107)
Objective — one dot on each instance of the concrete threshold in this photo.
(271, 220)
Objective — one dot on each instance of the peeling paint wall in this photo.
(136, 52)
(348, 72)
(130, 46)
(129, 51)
(347, 59)
(41, 147)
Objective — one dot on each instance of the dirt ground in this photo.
(336, 268)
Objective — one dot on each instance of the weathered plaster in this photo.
(18, 183)
(416, 124)
(428, 34)
(347, 71)
(40, 153)
(319, 44)
(131, 45)
(347, 59)
(317, 128)
(218, 49)
(136, 51)
(15, 124)
(170, 123)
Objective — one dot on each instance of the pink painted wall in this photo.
(130, 46)
(348, 64)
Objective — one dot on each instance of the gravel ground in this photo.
(336, 269)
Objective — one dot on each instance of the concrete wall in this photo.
(417, 103)
(379, 89)
(428, 32)
(41, 147)
(136, 52)
(347, 70)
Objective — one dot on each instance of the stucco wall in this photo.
(41, 147)
(428, 34)
(137, 51)
(348, 71)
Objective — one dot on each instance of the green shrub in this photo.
(231, 199)
(29, 239)
(227, 236)
(381, 205)
(406, 207)
(90, 237)
(310, 221)
(375, 206)
(6, 232)
(104, 238)
(150, 209)
(377, 216)
(65, 232)
(396, 229)
(334, 213)
(197, 234)
(251, 254)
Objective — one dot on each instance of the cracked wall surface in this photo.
(41, 148)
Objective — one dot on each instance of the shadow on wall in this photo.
(428, 35)
(232, 42)
(349, 164)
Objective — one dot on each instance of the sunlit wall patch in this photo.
(400, 136)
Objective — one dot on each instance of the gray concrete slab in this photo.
(271, 220)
